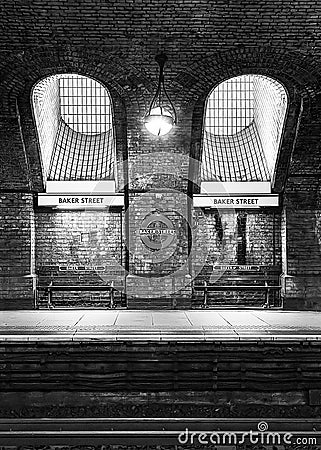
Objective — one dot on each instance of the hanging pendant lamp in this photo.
(161, 115)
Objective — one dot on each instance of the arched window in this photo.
(242, 130)
(75, 128)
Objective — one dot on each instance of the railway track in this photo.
(156, 431)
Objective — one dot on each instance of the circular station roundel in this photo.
(157, 231)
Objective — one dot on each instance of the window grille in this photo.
(85, 104)
(75, 127)
(230, 106)
(243, 125)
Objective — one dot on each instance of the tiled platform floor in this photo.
(129, 325)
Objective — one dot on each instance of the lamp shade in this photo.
(159, 121)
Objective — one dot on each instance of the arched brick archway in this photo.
(20, 71)
(130, 90)
(299, 77)
(16, 95)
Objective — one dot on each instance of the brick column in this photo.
(301, 234)
(17, 235)
(17, 243)
(157, 218)
(159, 266)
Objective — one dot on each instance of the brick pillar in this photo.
(157, 219)
(301, 235)
(17, 243)
(159, 266)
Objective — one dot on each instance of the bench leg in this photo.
(267, 298)
(205, 297)
(49, 303)
(112, 297)
(35, 299)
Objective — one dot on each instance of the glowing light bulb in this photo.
(159, 121)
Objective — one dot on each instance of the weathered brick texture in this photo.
(17, 275)
(302, 288)
(79, 248)
(216, 237)
(115, 43)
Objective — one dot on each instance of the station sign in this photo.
(73, 201)
(75, 268)
(84, 201)
(235, 201)
(153, 236)
(240, 267)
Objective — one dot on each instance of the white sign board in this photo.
(235, 201)
(65, 201)
(235, 187)
(81, 187)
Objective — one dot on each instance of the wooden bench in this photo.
(79, 288)
(259, 279)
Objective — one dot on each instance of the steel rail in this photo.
(139, 431)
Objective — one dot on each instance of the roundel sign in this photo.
(157, 232)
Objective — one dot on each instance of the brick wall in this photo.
(158, 272)
(79, 248)
(158, 182)
(14, 167)
(218, 237)
(112, 43)
(263, 238)
(17, 275)
(302, 244)
(218, 231)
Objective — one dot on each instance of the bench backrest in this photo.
(238, 273)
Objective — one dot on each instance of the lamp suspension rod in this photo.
(161, 59)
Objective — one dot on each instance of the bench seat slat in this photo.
(237, 287)
(80, 288)
(243, 279)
